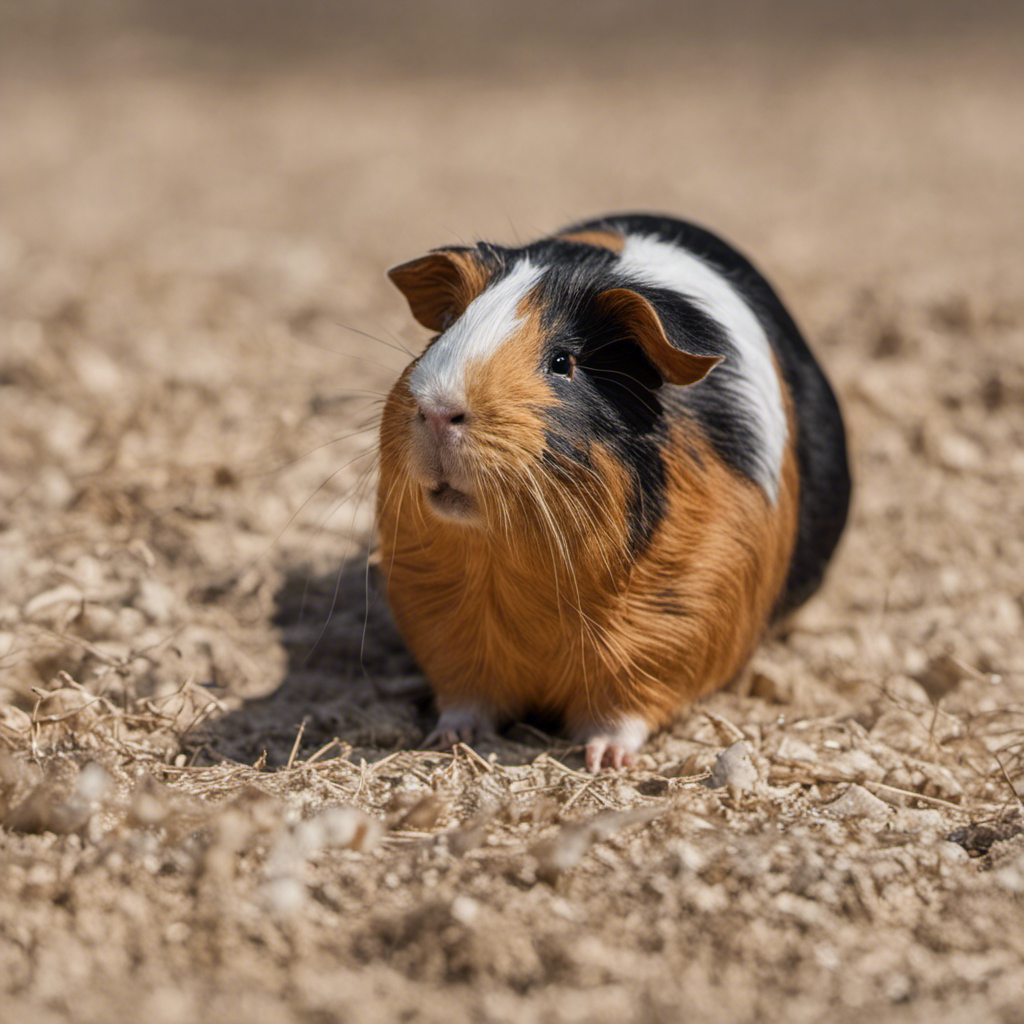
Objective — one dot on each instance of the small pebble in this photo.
(733, 768)
(857, 802)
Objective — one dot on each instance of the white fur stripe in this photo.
(651, 261)
(439, 378)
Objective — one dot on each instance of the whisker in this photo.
(324, 519)
(585, 623)
(653, 405)
(364, 477)
(341, 353)
(256, 474)
(406, 484)
(397, 346)
(380, 395)
(291, 519)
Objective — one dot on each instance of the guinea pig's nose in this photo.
(443, 418)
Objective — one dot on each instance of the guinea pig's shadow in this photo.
(349, 677)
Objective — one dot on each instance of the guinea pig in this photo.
(613, 466)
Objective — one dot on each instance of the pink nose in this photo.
(443, 419)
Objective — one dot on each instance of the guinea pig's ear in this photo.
(641, 322)
(440, 285)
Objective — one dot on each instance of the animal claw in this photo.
(602, 754)
(615, 747)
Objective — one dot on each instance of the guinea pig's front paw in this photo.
(614, 746)
(459, 725)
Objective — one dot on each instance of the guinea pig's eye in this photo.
(563, 364)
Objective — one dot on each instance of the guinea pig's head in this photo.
(539, 397)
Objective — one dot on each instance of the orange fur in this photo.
(645, 326)
(440, 285)
(600, 239)
(539, 605)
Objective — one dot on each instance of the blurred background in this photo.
(835, 131)
(198, 203)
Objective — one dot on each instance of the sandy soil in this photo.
(212, 806)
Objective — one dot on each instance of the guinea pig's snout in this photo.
(439, 459)
(445, 422)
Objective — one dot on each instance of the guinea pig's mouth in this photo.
(451, 503)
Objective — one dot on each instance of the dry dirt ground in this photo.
(212, 804)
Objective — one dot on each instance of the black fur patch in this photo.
(615, 397)
(590, 414)
(820, 441)
(578, 271)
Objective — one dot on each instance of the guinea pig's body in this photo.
(613, 467)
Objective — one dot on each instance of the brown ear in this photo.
(643, 325)
(440, 285)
